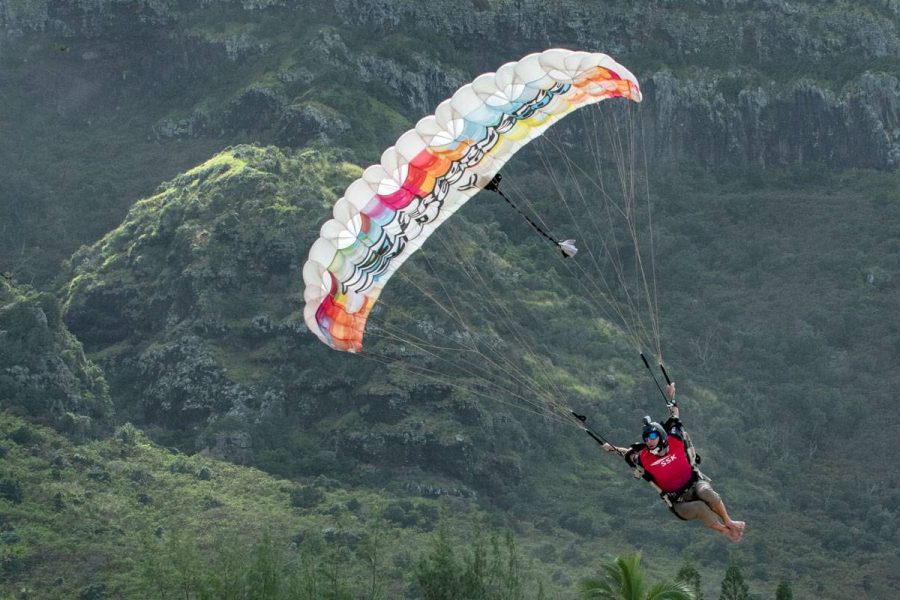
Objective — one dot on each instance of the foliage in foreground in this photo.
(179, 566)
(486, 570)
(733, 585)
(123, 518)
(624, 579)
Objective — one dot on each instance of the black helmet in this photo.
(651, 426)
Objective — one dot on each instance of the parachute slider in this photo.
(567, 247)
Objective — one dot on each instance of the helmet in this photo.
(651, 427)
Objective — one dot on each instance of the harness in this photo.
(670, 499)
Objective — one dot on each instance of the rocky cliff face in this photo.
(774, 125)
(725, 82)
(734, 82)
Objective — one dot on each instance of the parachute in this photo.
(432, 170)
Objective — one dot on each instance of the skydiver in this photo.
(666, 460)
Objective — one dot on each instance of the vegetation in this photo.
(170, 346)
(624, 580)
(43, 370)
(784, 591)
(690, 577)
(733, 585)
(488, 570)
(122, 517)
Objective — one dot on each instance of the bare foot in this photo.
(736, 527)
(731, 534)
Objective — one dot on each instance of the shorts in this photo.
(695, 503)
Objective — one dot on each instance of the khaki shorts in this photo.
(695, 502)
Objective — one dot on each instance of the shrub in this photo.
(578, 523)
(94, 591)
(127, 434)
(180, 465)
(10, 537)
(306, 496)
(100, 475)
(394, 513)
(24, 436)
(11, 489)
(140, 477)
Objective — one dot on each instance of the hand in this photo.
(609, 447)
(670, 391)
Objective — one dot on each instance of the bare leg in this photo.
(700, 510)
(736, 527)
(702, 502)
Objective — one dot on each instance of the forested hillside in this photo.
(168, 166)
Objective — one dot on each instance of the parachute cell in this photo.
(386, 215)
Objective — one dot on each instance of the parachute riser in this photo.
(567, 247)
(594, 436)
(669, 403)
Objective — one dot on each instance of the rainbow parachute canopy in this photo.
(432, 170)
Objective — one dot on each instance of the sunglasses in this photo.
(651, 436)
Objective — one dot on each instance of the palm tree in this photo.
(624, 580)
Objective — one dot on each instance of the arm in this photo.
(670, 394)
(673, 424)
(610, 448)
(630, 454)
(675, 427)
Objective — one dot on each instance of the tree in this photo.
(733, 586)
(439, 574)
(624, 580)
(784, 591)
(689, 576)
(484, 571)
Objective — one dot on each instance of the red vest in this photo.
(670, 472)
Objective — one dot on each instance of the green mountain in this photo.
(166, 84)
(769, 135)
